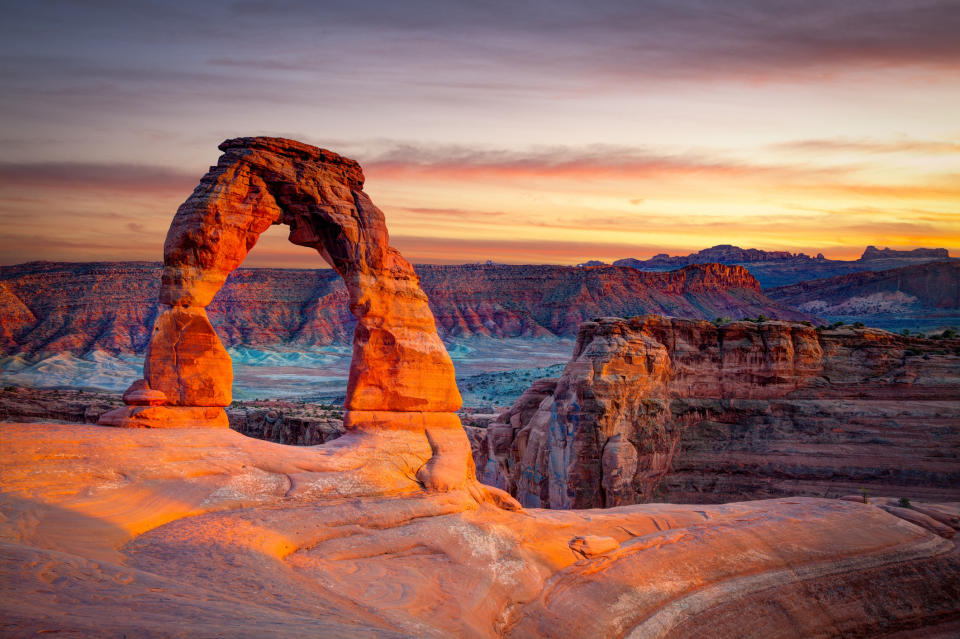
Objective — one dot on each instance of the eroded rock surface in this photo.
(49, 307)
(666, 409)
(399, 362)
(401, 377)
(207, 533)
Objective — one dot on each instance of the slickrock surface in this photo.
(207, 533)
(665, 409)
(48, 308)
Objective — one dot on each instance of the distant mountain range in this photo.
(780, 268)
(75, 308)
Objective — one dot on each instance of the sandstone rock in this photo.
(399, 362)
(113, 532)
(938, 513)
(144, 397)
(682, 410)
(166, 417)
(111, 306)
(593, 545)
(401, 377)
(186, 361)
(918, 518)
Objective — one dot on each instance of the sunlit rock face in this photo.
(401, 377)
(655, 408)
(399, 362)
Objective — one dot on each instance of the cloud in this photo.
(97, 176)
(931, 147)
(584, 162)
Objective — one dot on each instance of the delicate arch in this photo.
(401, 395)
(399, 363)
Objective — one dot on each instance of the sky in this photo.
(522, 132)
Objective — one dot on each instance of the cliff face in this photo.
(54, 307)
(660, 409)
(935, 285)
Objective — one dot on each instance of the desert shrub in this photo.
(905, 332)
(914, 351)
(866, 495)
(859, 325)
(948, 334)
(904, 502)
(807, 323)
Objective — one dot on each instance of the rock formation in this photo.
(688, 411)
(780, 268)
(873, 253)
(51, 308)
(401, 377)
(930, 291)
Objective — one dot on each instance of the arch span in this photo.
(401, 377)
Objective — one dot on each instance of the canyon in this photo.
(161, 521)
(676, 410)
(111, 306)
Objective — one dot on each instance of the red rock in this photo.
(186, 361)
(918, 518)
(166, 417)
(110, 306)
(593, 545)
(401, 377)
(933, 286)
(684, 410)
(140, 394)
(113, 532)
(399, 362)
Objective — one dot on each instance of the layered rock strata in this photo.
(663, 409)
(51, 308)
(401, 377)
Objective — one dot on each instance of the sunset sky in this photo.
(515, 131)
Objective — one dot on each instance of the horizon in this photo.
(324, 266)
(544, 133)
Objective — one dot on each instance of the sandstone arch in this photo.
(401, 376)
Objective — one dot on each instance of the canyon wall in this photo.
(663, 409)
(49, 308)
(935, 285)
